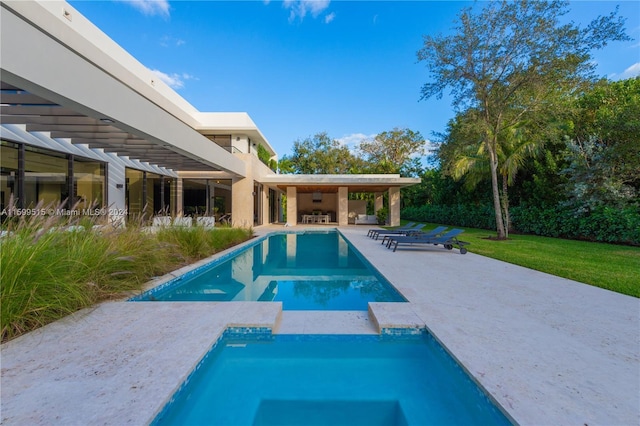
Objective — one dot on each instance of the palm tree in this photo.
(471, 161)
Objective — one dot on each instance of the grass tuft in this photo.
(48, 271)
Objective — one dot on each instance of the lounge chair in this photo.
(372, 231)
(398, 231)
(422, 234)
(448, 240)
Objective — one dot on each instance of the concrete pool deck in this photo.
(550, 351)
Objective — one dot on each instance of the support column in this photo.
(343, 206)
(292, 205)
(264, 193)
(212, 201)
(162, 208)
(71, 194)
(176, 203)
(207, 198)
(394, 206)
(20, 189)
(242, 202)
(116, 181)
(378, 202)
(145, 202)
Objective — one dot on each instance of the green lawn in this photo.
(609, 266)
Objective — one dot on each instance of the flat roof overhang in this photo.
(331, 183)
(40, 115)
(224, 123)
(66, 77)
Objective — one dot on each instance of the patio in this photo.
(549, 350)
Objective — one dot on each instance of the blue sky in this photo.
(301, 67)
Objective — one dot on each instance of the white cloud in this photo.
(151, 7)
(174, 80)
(167, 41)
(330, 17)
(354, 139)
(316, 6)
(300, 8)
(632, 71)
(430, 147)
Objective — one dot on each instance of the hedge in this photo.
(471, 216)
(605, 224)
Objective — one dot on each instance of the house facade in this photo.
(85, 124)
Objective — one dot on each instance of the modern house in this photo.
(84, 121)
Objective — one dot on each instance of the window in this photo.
(89, 183)
(46, 178)
(8, 172)
(134, 192)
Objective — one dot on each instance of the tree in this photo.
(461, 152)
(464, 156)
(321, 155)
(393, 151)
(507, 62)
(603, 149)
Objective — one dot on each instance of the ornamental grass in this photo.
(52, 266)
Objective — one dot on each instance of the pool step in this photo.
(395, 318)
(325, 322)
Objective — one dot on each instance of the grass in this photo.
(48, 272)
(198, 242)
(613, 267)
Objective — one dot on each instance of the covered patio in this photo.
(325, 198)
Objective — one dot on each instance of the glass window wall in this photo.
(8, 173)
(159, 193)
(134, 192)
(89, 183)
(207, 197)
(46, 178)
(51, 177)
(195, 197)
(34, 175)
(147, 194)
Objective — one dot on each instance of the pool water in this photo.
(330, 380)
(304, 271)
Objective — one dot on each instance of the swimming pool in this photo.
(329, 380)
(304, 271)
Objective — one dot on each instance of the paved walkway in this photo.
(548, 350)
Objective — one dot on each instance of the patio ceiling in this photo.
(38, 114)
(331, 183)
(332, 189)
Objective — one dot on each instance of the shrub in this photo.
(382, 215)
(604, 224)
(472, 216)
(49, 272)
